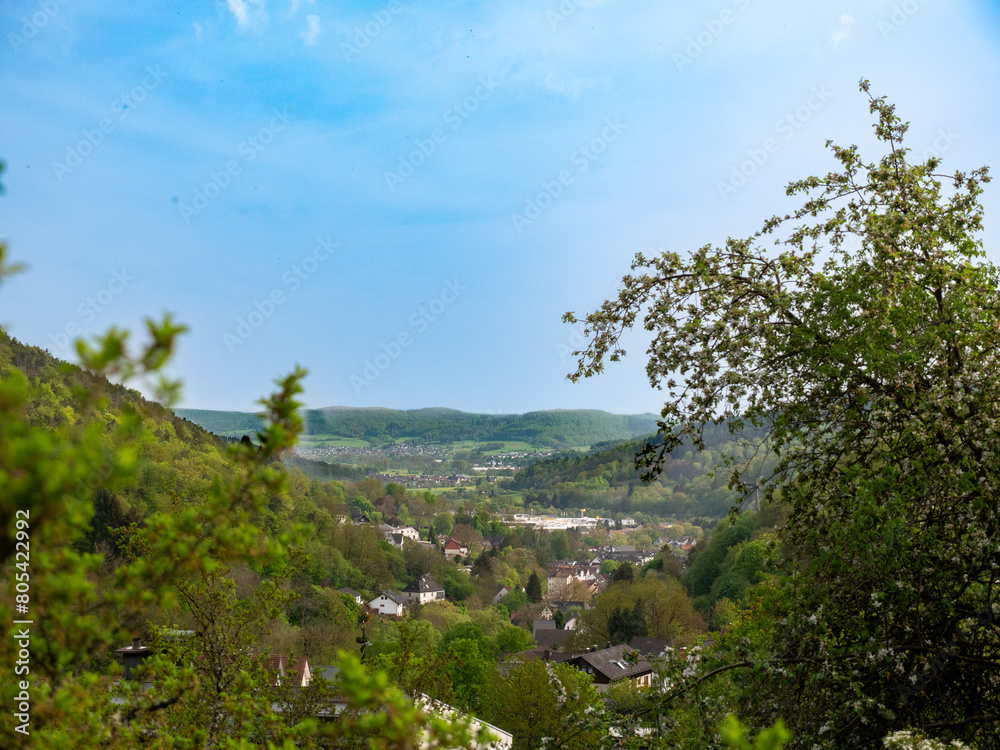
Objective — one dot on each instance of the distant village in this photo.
(489, 468)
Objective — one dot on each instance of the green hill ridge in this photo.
(570, 427)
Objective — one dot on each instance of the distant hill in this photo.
(606, 480)
(574, 427)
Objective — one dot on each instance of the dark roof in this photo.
(546, 655)
(648, 645)
(349, 592)
(550, 638)
(543, 625)
(392, 596)
(612, 664)
(423, 584)
(327, 673)
(135, 649)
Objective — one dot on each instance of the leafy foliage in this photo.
(107, 549)
(546, 705)
(865, 345)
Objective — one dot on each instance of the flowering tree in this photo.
(863, 342)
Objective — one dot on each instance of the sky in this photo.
(405, 198)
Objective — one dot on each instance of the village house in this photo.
(621, 553)
(454, 548)
(649, 647)
(351, 593)
(398, 535)
(288, 671)
(389, 603)
(493, 541)
(613, 664)
(423, 589)
(501, 594)
(549, 611)
(485, 735)
(562, 574)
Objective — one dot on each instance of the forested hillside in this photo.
(437, 425)
(692, 485)
(177, 458)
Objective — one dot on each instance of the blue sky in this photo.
(405, 198)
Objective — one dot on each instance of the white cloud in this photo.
(248, 13)
(311, 34)
(840, 34)
(296, 4)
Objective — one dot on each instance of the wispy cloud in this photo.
(296, 4)
(248, 13)
(311, 34)
(841, 33)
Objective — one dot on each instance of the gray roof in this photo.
(327, 673)
(550, 638)
(612, 664)
(543, 625)
(392, 596)
(423, 584)
(648, 645)
(546, 654)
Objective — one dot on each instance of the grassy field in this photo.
(332, 441)
(508, 446)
